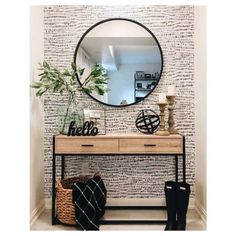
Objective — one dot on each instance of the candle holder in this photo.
(171, 100)
(162, 130)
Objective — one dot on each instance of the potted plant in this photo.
(53, 80)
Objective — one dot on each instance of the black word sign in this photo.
(88, 129)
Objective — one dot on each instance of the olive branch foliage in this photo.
(53, 80)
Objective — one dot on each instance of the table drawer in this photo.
(155, 145)
(87, 146)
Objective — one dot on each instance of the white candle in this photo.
(171, 90)
(162, 98)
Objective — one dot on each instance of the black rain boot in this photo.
(183, 192)
(170, 193)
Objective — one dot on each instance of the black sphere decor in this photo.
(147, 121)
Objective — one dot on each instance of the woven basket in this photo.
(64, 204)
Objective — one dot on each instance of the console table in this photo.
(117, 144)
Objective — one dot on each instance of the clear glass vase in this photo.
(71, 112)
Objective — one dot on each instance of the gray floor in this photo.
(193, 220)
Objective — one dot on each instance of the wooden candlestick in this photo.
(162, 130)
(171, 100)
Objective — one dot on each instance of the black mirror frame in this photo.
(111, 19)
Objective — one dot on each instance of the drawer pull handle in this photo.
(149, 145)
(87, 145)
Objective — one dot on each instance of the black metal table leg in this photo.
(62, 166)
(176, 168)
(53, 183)
(184, 161)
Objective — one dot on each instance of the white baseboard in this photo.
(130, 202)
(37, 211)
(201, 211)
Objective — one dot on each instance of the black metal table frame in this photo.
(107, 222)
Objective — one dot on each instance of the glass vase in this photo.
(70, 112)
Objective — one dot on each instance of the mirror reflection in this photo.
(130, 55)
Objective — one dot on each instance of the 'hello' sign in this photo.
(88, 129)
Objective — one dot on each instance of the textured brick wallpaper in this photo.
(126, 176)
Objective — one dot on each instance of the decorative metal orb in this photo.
(147, 121)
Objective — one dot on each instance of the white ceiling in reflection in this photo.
(114, 51)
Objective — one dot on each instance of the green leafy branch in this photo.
(53, 80)
(96, 81)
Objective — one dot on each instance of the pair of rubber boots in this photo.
(177, 199)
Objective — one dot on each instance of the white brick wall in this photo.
(126, 176)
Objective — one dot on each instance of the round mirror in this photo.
(129, 54)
